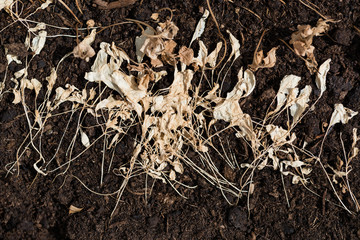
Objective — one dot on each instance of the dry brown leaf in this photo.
(260, 62)
(155, 16)
(186, 55)
(73, 209)
(167, 30)
(303, 38)
(153, 47)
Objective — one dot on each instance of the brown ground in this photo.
(36, 207)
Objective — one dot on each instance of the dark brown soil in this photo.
(36, 207)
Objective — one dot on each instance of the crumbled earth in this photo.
(36, 207)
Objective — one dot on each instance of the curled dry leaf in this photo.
(260, 62)
(73, 209)
(321, 76)
(167, 30)
(303, 38)
(300, 104)
(200, 27)
(341, 114)
(235, 46)
(38, 42)
(186, 55)
(288, 84)
(139, 42)
(211, 59)
(84, 49)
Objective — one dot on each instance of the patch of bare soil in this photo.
(33, 206)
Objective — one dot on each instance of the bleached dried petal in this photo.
(321, 76)
(200, 27)
(341, 114)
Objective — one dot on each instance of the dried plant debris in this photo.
(84, 50)
(302, 41)
(179, 118)
(260, 61)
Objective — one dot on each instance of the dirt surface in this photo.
(36, 207)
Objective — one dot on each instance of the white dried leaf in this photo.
(20, 73)
(172, 175)
(36, 85)
(139, 42)
(262, 165)
(321, 76)
(274, 158)
(235, 46)
(38, 27)
(10, 58)
(211, 59)
(202, 55)
(293, 164)
(38, 42)
(288, 83)
(301, 103)
(278, 134)
(46, 4)
(341, 114)
(306, 170)
(178, 167)
(296, 179)
(17, 96)
(84, 50)
(51, 79)
(84, 139)
(200, 27)
(5, 4)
